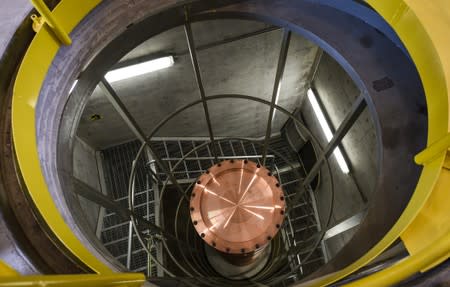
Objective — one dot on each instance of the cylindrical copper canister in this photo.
(237, 206)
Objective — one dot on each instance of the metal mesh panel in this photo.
(302, 222)
(117, 163)
(300, 226)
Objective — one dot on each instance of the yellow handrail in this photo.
(11, 278)
(407, 267)
(84, 280)
(424, 37)
(30, 77)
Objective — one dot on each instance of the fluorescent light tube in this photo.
(139, 69)
(73, 86)
(326, 130)
(341, 160)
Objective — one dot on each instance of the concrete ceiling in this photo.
(243, 66)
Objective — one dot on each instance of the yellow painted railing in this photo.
(30, 77)
(10, 278)
(422, 26)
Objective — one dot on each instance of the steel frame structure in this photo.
(191, 168)
(416, 40)
(120, 107)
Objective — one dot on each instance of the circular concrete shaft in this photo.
(237, 206)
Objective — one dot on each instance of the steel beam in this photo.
(276, 89)
(97, 197)
(133, 125)
(198, 77)
(357, 108)
(344, 225)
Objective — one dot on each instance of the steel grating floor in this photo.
(302, 223)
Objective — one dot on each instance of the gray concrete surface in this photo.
(85, 169)
(11, 253)
(246, 66)
(12, 13)
(337, 92)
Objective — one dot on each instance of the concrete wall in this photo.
(245, 66)
(336, 91)
(85, 169)
(12, 13)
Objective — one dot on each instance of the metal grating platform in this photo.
(115, 234)
(302, 223)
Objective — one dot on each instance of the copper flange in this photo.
(237, 206)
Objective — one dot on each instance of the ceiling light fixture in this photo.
(139, 69)
(327, 130)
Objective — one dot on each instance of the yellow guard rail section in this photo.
(10, 278)
(28, 83)
(423, 28)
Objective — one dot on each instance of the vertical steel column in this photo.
(130, 244)
(326, 256)
(130, 238)
(156, 209)
(276, 89)
(198, 77)
(103, 189)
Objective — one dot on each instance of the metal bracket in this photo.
(433, 151)
(37, 22)
(47, 17)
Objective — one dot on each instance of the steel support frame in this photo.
(424, 69)
(103, 189)
(170, 116)
(198, 78)
(120, 107)
(357, 108)
(276, 89)
(159, 221)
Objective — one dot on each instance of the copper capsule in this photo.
(237, 205)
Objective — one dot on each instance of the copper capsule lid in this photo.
(237, 206)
